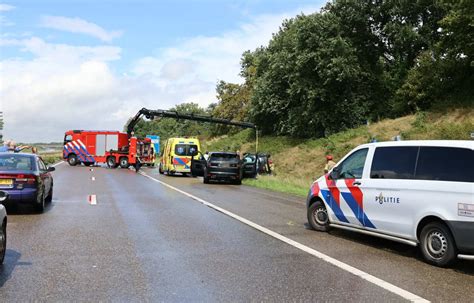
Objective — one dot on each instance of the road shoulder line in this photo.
(357, 272)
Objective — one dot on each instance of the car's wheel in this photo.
(318, 217)
(49, 198)
(437, 244)
(124, 162)
(41, 203)
(111, 162)
(205, 180)
(238, 181)
(3, 241)
(72, 159)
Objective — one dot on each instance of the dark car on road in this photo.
(219, 166)
(25, 178)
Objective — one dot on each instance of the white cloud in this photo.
(56, 87)
(211, 58)
(77, 25)
(6, 7)
(3, 20)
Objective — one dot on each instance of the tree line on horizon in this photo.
(353, 62)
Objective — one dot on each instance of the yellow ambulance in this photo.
(177, 154)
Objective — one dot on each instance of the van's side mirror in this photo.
(335, 173)
(51, 168)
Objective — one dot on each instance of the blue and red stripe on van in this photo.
(181, 161)
(353, 198)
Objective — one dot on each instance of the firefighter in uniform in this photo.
(329, 164)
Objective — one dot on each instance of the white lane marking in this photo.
(92, 199)
(56, 164)
(357, 272)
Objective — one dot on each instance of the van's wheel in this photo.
(111, 162)
(238, 182)
(437, 244)
(3, 241)
(72, 159)
(318, 217)
(124, 162)
(160, 169)
(205, 180)
(88, 163)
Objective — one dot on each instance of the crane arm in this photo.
(149, 114)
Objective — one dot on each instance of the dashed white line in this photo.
(357, 272)
(92, 199)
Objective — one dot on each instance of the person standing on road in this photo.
(138, 164)
(329, 164)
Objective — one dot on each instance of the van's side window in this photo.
(445, 164)
(394, 162)
(353, 166)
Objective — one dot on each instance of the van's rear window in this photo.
(445, 164)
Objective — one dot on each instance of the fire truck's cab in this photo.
(111, 147)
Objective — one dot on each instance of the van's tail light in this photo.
(270, 162)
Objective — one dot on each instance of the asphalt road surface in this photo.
(149, 241)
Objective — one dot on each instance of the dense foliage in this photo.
(352, 62)
(359, 61)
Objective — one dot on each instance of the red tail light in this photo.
(20, 178)
(270, 162)
(25, 179)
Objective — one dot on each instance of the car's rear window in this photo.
(224, 157)
(10, 162)
(185, 149)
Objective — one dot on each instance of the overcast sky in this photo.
(85, 64)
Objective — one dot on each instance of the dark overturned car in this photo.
(219, 166)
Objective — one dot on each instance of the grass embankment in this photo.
(51, 158)
(298, 162)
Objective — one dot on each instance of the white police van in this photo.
(415, 192)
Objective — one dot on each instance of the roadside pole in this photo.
(256, 141)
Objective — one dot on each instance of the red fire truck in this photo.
(112, 147)
(117, 148)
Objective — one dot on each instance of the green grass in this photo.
(279, 185)
(51, 158)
